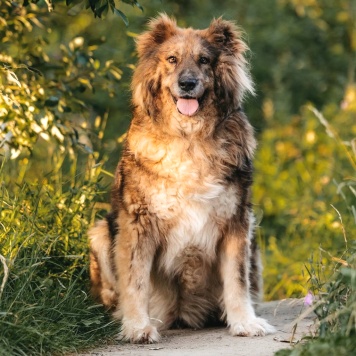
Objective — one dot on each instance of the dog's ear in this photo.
(225, 35)
(233, 80)
(160, 30)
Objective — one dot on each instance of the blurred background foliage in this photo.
(65, 69)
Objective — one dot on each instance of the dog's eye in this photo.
(172, 59)
(204, 60)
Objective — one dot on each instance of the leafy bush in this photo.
(301, 176)
(46, 93)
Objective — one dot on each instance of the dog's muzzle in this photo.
(187, 102)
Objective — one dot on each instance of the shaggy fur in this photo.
(178, 244)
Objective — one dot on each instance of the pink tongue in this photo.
(187, 106)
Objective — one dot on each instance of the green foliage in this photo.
(312, 45)
(100, 8)
(44, 302)
(299, 172)
(46, 94)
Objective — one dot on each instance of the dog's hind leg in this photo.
(255, 273)
(102, 275)
(163, 306)
(256, 282)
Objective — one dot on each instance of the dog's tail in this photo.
(102, 274)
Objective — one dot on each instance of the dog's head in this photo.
(191, 73)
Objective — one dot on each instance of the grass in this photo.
(45, 307)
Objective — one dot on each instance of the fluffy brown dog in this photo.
(178, 244)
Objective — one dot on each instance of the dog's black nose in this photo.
(187, 84)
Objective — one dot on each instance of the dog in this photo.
(178, 245)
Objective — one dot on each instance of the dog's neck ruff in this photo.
(229, 113)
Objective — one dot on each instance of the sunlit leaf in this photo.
(116, 73)
(12, 78)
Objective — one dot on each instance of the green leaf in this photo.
(350, 275)
(122, 15)
(112, 5)
(92, 5)
(103, 10)
(35, 70)
(139, 5)
(133, 3)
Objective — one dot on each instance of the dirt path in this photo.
(217, 341)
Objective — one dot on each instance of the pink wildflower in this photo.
(308, 299)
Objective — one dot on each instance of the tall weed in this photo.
(335, 295)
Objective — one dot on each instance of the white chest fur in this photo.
(196, 216)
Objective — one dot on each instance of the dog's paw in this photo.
(251, 327)
(146, 335)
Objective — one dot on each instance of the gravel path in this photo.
(217, 341)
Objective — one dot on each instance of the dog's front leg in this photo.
(134, 256)
(240, 315)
